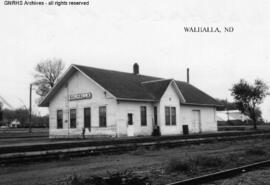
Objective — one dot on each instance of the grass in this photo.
(179, 165)
(194, 164)
(259, 151)
(116, 178)
(23, 132)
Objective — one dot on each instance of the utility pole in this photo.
(1, 113)
(228, 120)
(30, 109)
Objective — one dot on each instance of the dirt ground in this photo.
(149, 163)
(258, 177)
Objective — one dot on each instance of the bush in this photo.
(176, 165)
(192, 164)
(117, 178)
(139, 151)
(209, 161)
(256, 151)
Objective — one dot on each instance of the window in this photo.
(102, 116)
(170, 115)
(87, 118)
(143, 116)
(173, 115)
(167, 116)
(130, 119)
(59, 119)
(72, 118)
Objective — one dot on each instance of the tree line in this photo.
(22, 116)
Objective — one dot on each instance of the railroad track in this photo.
(84, 149)
(222, 174)
(64, 144)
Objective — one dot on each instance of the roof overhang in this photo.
(136, 100)
(201, 105)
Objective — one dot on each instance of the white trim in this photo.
(131, 99)
(197, 104)
(93, 81)
(178, 90)
(153, 81)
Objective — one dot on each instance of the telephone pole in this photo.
(30, 109)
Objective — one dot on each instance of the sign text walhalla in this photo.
(80, 96)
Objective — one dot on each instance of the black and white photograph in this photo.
(134, 92)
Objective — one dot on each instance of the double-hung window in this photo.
(143, 116)
(170, 116)
(59, 119)
(102, 116)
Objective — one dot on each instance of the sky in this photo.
(115, 34)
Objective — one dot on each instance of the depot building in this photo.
(99, 102)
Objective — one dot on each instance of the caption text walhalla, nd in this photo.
(208, 29)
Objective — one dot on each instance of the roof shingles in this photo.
(131, 86)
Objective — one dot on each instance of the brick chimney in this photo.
(136, 69)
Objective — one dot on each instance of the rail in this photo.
(66, 150)
(222, 174)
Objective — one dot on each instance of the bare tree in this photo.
(47, 73)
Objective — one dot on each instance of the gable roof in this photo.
(122, 85)
(129, 86)
(157, 87)
(195, 96)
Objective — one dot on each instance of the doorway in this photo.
(87, 118)
(155, 116)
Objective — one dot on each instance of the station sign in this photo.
(80, 96)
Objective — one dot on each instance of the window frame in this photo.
(143, 113)
(100, 118)
(167, 116)
(57, 119)
(70, 118)
(173, 116)
(130, 119)
(170, 116)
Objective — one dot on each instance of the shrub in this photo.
(176, 165)
(256, 151)
(192, 164)
(208, 161)
(117, 178)
(139, 151)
